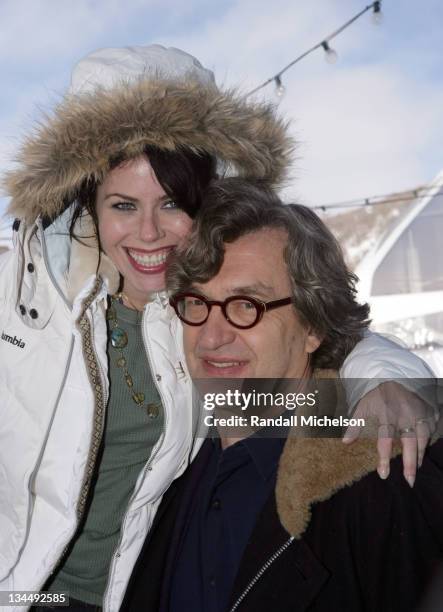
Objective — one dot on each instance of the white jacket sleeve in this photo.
(376, 359)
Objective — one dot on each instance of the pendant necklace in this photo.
(119, 340)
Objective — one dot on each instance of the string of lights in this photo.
(330, 54)
(403, 197)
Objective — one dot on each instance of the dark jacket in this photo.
(333, 536)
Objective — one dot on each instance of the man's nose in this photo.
(150, 228)
(216, 331)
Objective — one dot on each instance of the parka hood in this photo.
(87, 130)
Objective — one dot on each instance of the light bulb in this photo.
(330, 55)
(279, 87)
(377, 15)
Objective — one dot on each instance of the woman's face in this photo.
(139, 225)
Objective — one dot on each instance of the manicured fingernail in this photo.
(383, 472)
(410, 479)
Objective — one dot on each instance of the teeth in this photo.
(146, 260)
(226, 364)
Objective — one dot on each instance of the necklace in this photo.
(121, 297)
(119, 340)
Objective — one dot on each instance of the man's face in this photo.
(278, 346)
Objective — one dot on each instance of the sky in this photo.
(370, 124)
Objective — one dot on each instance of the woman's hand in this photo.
(399, 412)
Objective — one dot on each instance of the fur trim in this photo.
(312, 469)
(86, 130)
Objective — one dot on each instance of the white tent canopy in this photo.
(402, 278)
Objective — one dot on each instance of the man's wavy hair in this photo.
(323, 287)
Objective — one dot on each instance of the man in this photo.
(263, 523)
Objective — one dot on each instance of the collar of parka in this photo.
(86, 260)
(312, 469)
(87, 130)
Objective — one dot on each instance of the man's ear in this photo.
(313, 341)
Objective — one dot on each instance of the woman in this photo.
(120, 165)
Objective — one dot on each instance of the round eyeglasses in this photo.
(240, 311)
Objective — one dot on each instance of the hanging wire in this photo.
(376, 8)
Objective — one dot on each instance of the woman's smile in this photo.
(139, 226)
(149, 262)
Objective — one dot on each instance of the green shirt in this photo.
(129, 437)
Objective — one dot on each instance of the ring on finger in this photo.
(421, 421)
(406, 430)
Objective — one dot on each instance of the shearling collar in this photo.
(87, 130)
(313, 469)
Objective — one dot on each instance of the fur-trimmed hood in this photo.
(86, 130)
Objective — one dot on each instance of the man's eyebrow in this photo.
(193, 289)
(258, 289)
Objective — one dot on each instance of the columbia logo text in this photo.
(13, 340)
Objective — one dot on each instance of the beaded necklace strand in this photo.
(119, 340)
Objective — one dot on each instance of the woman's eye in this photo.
(124, 206)
(170, 204)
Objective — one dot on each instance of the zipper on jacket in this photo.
(146, 468)
(115, 554)
(96, 379)
(261, 571)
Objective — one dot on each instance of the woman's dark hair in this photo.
(183, 174)
(323, 288)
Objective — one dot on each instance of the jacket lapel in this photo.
(308, 575)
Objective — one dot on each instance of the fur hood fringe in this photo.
(86, 130)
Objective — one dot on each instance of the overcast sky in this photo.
(370, 124)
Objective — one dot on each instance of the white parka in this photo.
(53, 363)
(54, 390)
